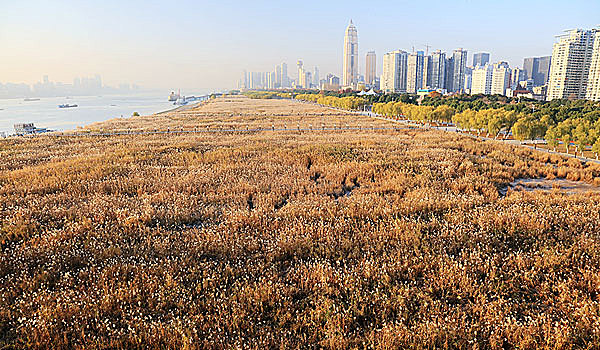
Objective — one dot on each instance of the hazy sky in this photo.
(207, 44)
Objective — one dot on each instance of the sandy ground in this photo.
(240, 112)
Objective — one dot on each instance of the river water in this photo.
(46, 114)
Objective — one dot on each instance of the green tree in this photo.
(522, 129)
(552, 136)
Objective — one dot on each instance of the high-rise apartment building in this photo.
(256, 80)
(468, 79)
(459, 64)
(426, 71)
(307, 80)
(350, 65)
(243, 82)
(570, 65)
(500, 78)
(271, 80)
(393, 78)
(593, 90)
(537, 68)
(371, 67)
(438, 70)
(481, 80)
(414, 72)
(480, 59)
(516, 75)
(278, 77)
(449, 83)
(333, 80)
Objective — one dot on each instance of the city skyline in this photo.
(133, 42)
(79, 86)
(571, 72)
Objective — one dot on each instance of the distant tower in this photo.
(350, 56)
(278, 77)
(301, 74)
(285, 81)
(459, 65)
(371, 68)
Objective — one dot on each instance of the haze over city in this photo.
(207, 45)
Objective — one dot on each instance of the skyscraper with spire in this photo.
(350, 74)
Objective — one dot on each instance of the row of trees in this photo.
(267, 94)
(349, 102)
(492, 121)
(582, 132)
(442, 113)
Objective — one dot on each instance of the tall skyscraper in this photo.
(481, 80)
(449, 73)
(278, 77)
(315, 77)
(540, 77)
(285, 80)
(438, 70)
(414, 72)
(307, 81)
(350, 66)
(393, 78)
(500, 78)
(480, 59)
(459, 64)
(570, 65)
(537, 68)
(370, 68)
(301, 75)
(593, 90)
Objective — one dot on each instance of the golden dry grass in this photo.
(240, 112)
(344, 239)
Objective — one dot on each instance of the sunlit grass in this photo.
(341, 239)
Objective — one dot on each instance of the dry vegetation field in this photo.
(239, 112)
(339, 239)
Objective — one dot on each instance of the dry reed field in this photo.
(339, 239)
(240, 112)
